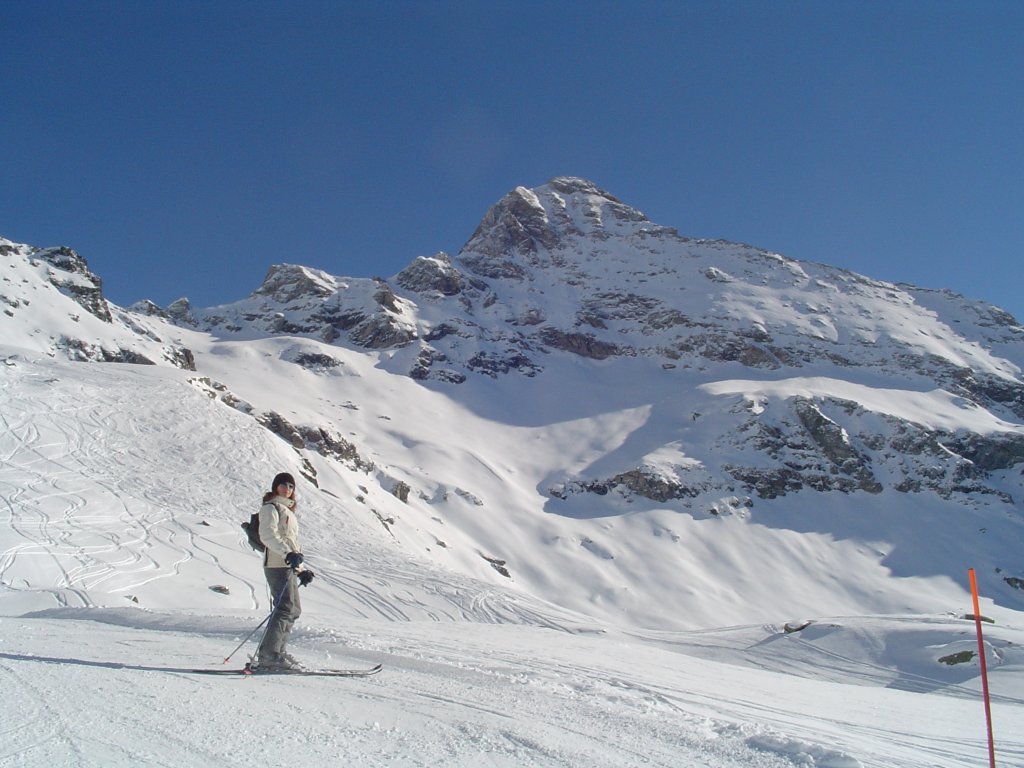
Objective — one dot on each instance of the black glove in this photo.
(305, 577)
(294, 559)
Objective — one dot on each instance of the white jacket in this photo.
(279, 531)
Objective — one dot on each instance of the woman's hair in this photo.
(279, 479)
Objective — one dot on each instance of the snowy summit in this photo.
(593, 492)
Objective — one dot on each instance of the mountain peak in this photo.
(548, 218)
(570, 185)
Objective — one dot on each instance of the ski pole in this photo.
(273, 610)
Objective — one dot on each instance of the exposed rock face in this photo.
(772, 483)
(835, 445)
(581, 344)
(640, 481)
(494, 364)
(77, 281)
(148, 308)
(401, 491)
(993, 391)
(286, 282)
(518, 223)
(425, 368)
(314, 361)
(817, 453)
(431, 275)
(181, 357)
(319, 439)
(989, 452)
(331, 322)
(82, 351)
(728, 348)
(281, 427)
(180, 311)
(379, 332)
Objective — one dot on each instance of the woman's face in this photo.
(285, 489)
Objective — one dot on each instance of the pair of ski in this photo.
(250, 670)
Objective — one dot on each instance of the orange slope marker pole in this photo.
(984, 669)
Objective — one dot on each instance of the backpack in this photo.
(252, 532)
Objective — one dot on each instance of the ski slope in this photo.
(112, 687)
(121, 492)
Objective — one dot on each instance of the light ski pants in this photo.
(286, 611)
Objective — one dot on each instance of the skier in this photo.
(283, 568)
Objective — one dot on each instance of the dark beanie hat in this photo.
(282, 477)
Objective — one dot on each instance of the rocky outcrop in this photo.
(585, 345)
(640, 481)
(834, 444)
(381, 331)
(77, 281)
(431, 275)
(424, 368)
(283, 428)
(988, 453)
(333, 446)
(818, 453)
(991, 390)
(494, 364)
(518, 223)
(180, 357)
(314, 438)
(810, 450)
(180, 311)
(314, 361)
(401, 491)
(82, 351)
(148, 308)
(501, 566)
(772, 483)
(287, 282)
(727, 348)
(330, 322)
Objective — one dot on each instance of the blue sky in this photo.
(184, 147)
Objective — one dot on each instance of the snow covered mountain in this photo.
(721, 476)
(630, 392)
